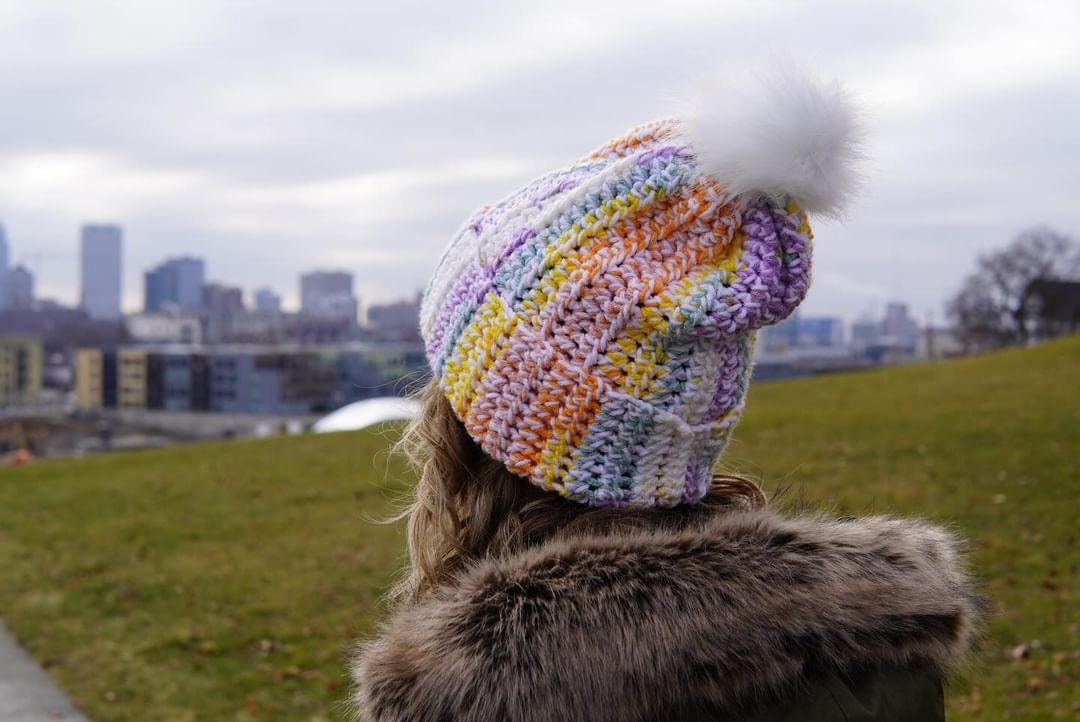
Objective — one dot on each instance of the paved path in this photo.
(27, 694)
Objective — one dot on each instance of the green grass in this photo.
(226, 581)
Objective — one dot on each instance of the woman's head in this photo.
(467, 505)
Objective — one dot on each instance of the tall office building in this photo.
(101, 270)
(328, 294)
(266, 301)
(3, 267)
(865, 332)
(899, 327)
(177, 282)
(19, 288)
(398, 321)
(782, 336)
(159, 288)
(220, 299)
(821, 331)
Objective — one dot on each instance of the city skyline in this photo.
(178, 294)
(190, 272)
(282, 140)
(177, 280)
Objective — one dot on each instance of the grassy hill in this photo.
(226, 581)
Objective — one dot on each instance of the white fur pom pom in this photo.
(778, 133)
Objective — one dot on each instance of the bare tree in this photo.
(991, 308)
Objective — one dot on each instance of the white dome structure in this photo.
(370, 412)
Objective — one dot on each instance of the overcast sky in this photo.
(276, 137)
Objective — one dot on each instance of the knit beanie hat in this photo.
(594, 330)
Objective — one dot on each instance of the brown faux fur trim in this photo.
(616, 628)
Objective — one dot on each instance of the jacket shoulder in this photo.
(750, 607)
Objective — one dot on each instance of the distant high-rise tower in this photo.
(898, 325)
(176, 282)
(3, 267)
(328, 294)
(101, 270)
(223, 300)
(19, 288)
(267, 301)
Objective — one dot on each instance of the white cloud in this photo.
(85, 184)
(354, 203)
(1001, 47)
(273, 137)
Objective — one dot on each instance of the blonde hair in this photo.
(467, 506)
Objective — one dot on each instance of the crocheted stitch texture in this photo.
(594, 330)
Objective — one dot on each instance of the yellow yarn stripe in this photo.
(476, 350)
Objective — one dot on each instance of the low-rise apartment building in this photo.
(21, 365)
(242, 378)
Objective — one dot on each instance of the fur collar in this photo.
(743, 607)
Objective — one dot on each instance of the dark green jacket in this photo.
(742, 616)
(895, 694)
